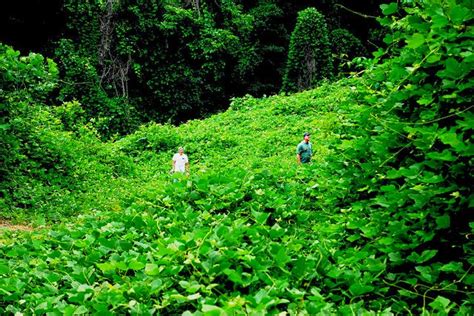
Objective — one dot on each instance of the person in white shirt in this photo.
(180, 161)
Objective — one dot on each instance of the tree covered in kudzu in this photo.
(25, 81)
(309, 56)
(408, 158)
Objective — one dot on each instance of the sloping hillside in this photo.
(249, 231)
(252, 134)
(243, 220)
(379, 223)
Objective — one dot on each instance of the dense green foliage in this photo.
(129, 61)
(111, 116)
(24, 81)
(345, 47)
(46, 152)
(309, 57)
(177, 61)
(173, 61)
(378, 224)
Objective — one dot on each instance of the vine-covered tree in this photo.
(309, 56)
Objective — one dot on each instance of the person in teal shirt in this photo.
(304, 151)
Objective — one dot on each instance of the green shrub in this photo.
(41, 160)
(26, 81)
(309, 55)
(71, 114)
(152, 137)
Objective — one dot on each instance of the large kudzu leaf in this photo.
(390, 8)
(425, 256)
(357, 289)
(415, 41)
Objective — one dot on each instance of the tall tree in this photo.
(309, 56)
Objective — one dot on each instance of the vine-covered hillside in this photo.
(380, 222)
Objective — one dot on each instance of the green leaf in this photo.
(397, 73)
(388, 188)
(394, 174)
(260, 296)
(81, 310)
(106, 267)
(388, 9)
(439, 21)
(4, 269)
(395, 257)
(276, 231)
(405, 293)
(53, 277)
(433, 58)
(193, 297)
(360, 289)
(190, 287)
(426, 114)
(156, 284)
(369, 231)
(425, 256)
(300, 267)
(4, 126)
(440, 303)
(387, 241)
(430, 177)
(121, 265)
(374, 265)
(234, 276)
(459, 14)
(426, 273)
(453, 69)
(445, 155)
(443, 221)
(281, 257)
(452, 267)
(416, 40)
(451, 138)
(134, 264)
(467, 122)
(260, 217)
(353, 237)
(152, 269)
(212, 310)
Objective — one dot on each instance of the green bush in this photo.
(26, 81)
(152, 137)
(71, 114)
(41, 160)
(309, 55)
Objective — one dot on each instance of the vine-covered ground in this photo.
(378, 224)
(248, 232)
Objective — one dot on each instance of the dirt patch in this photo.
(7, 225)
